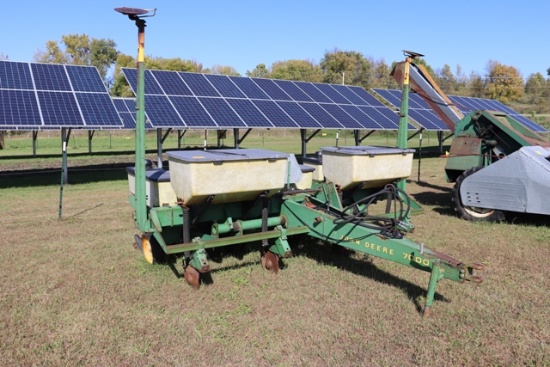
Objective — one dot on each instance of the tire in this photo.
(469, 212)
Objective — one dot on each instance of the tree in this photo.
(222, 70)
(348, 66)
(301, 70)
(476, 86)
(260, 71)
(537, 92)
(3, 56)
(381, 77)
(504, 83)
(446, 79)
(80, 50)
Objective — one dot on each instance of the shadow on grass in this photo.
(319, 251)
(340, 257)
(52, 176)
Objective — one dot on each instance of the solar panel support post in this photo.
(440, 140)
(358, 139)
(160, 140)
(239, 140)
(34, 138)
(65, 136)
(236, 140)
(181, 134)
(305, 140)
(90, 137)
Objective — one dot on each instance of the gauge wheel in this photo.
(152, 252)
(470, 212)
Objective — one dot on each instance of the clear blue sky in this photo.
(244, 33)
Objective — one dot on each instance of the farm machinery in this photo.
(497, 164)
(211, 198)
(214, 198)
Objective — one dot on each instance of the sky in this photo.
(245, 33)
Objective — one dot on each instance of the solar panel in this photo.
(331, 93)
(224, 86)
(272, 89)
(418, 110)
(171, 83)
(249, 88)
(321, 115)
(18, 108)
(277, 116)
(192, 112)
(469, 104)
(221, 112)
(126, 109)
(51, 96)
(85, 79)
(250, 114)
(299, 115)
(293, 90)
(219, 101)
(199, 85)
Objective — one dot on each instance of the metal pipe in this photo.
(245, 225)
(140, 193)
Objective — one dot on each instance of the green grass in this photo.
(75, 293)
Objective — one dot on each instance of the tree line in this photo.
(500, 82)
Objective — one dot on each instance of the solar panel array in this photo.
(191, 100)
(425, 117)
(51, 96)
(469, 104)
(419, 110)
(126, 108)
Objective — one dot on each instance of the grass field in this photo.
(75, 293)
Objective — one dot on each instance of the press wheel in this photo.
(270, 261)
(192, 276)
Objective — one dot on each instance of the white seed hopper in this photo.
(230, 175)
(370, 166)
